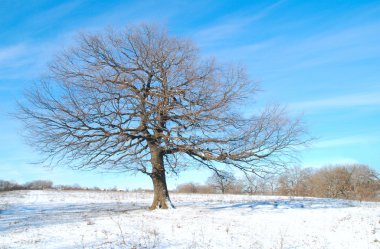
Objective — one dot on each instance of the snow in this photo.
(91, 219)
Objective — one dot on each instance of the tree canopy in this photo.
(142, 100)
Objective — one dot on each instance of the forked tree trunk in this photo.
(161, 197)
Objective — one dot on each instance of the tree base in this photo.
(163, 204)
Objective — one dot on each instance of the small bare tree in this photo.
(221, 181)
(254, 184)
(295, 181)
(143, 101)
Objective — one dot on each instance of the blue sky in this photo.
(320, 58)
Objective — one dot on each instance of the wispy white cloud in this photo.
(28, 60)
(294, 52)
(343, 101)
(16, 60)
(11, 52)
(346, 141)
(56, 12)
(334, 46)
(231, 25)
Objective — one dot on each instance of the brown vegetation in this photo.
(357, 182)
(194, 188)
(354, 181)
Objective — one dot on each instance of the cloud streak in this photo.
(296, 52)
(11, 53)
(346, 141)
(27, 61)
(231, 25)
(343, 101)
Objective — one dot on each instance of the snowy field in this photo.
(85, 219)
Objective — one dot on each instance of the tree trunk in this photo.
(222, 187)
(161, 195)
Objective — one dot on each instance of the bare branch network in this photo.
(134, 99)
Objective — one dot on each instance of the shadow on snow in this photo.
(29, 215)
(304, 203)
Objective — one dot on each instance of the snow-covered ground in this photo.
(84, 219)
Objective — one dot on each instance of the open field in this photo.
(85, 219)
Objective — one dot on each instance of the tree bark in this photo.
(161, 194)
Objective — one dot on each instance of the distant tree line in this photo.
(33, 185)
(44, 184)
(353, 181)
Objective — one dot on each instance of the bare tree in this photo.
(221, 181)
(365, 182)
(141, 100)
(295, 181)
(263, 184)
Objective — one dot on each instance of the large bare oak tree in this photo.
(141, 100)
